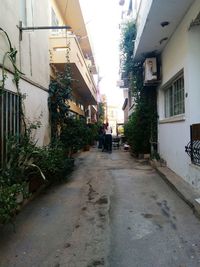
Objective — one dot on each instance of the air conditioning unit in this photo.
(150, 71)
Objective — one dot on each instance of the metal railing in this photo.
(9, 120)
(193, 147)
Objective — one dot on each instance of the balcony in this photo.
(156, 22)
(83, 82)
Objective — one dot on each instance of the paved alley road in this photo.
(114, 211)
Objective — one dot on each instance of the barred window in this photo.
(193, 147)
(174, 98)
(9, 119)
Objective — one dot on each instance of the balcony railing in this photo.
(193, 147)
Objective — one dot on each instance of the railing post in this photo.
(191, 142)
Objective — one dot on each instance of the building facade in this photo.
(82, 65)
(170, 33)
(39, 53)
(127, 15)
(32, 60)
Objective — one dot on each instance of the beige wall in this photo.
(33, 56)
(32, 59)
(54, 6)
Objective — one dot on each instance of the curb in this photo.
(183, 189)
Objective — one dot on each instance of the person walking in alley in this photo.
(108, 138)
(101, 136)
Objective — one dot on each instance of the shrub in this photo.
(54, 162)
(76, 134)
(141, 128)
(25, 161)
(8, 203)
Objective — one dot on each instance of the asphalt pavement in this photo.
(113, 211)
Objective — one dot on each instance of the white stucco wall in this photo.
(181, 53)
(143, 8)
(36, 108)
(33, 54)
(32, 59)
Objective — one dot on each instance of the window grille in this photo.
(174, 98)
(9, 120)
(193, 147)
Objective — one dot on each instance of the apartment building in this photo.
(81, 60)
(168, 36)
(127, 15)
(39, 53)
(33, 60)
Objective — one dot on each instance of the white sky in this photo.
(102, 18)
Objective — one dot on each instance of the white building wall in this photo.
(142, 10)
(181, 53)
(32, 59)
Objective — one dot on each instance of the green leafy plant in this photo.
(101, 112)
(11, 55)
(74, 135)
(54, 162)
(27, 161)
(141, 129)
(8, 200)
(21, 155)
(93, 133)
(128, 34)
(59, 94)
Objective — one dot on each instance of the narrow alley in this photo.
(113, 211)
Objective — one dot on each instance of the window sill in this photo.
(173, 119)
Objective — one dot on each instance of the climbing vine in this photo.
(59, 94)
(141, 129)
(11, 56)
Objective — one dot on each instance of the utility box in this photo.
(150, 71)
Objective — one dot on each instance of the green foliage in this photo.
(8, 203)
(11, 55)
(141, 129)
(101, 112)
(128, 35)
(59, 94)
(93, 133)
(75, 135)
(21, 154)
(54, 162)
(26, 160)
(8, 199)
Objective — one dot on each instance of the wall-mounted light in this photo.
(164, 23)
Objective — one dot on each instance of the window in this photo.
(9, 119)
(174, 98)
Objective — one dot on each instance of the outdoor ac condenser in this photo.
(150, 70)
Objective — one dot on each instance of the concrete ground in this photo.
(113, 211)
